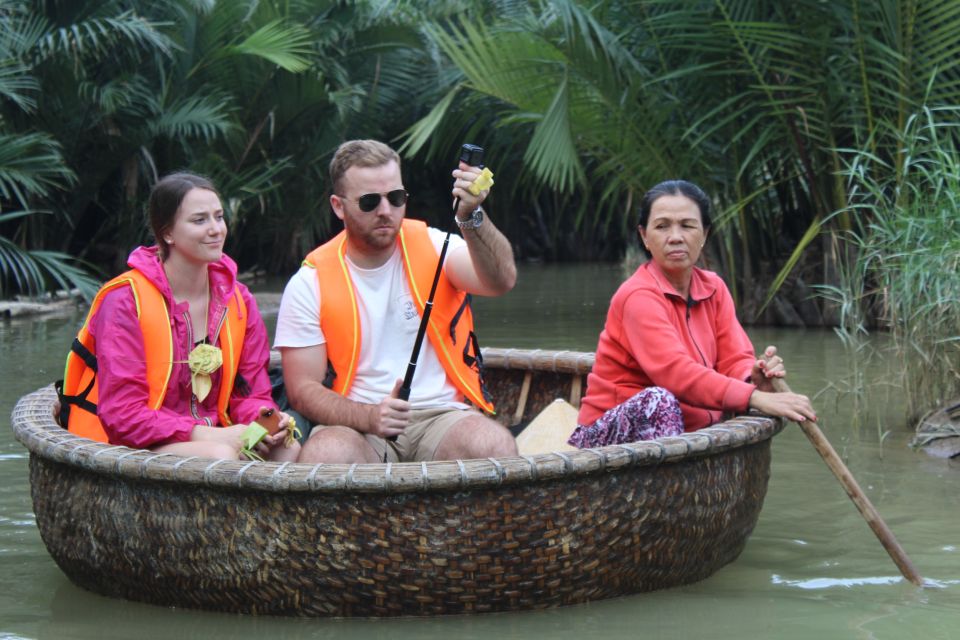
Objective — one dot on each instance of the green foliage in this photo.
(35, 271)
(98, 37)
(752, 100)
(192, 118)
(581, 107)
(30, 165)
(100, 98)
(907, 261)
(287, 47)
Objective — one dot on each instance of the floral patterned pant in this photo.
(652, 413)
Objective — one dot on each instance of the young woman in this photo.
(173, 355)
(672, 355)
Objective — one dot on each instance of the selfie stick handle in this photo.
(473, 156)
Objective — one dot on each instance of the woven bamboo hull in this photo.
(404, 539)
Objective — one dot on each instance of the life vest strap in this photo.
(471, 350)
(330, 377)
(80, 400)
(84, 354)
(475, 361)
(467, 299)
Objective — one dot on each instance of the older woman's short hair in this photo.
(676, 188)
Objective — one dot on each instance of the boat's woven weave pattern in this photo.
(402, 539)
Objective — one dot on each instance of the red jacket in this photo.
(653, 337)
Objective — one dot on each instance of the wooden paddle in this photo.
(859, 498)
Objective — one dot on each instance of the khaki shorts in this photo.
(419, 441)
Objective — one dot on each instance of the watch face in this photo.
(474, 221)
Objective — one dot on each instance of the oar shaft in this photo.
(859, 498)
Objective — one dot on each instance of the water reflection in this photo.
(812, 567)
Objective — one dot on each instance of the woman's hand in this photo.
(792, 406)
(767, 367)
(270, 442)
(287, 425)
(282, 446)
(766, 399)
(232, 436)
(227, 435)
(282, 424)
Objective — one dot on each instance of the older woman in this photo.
(672, 355)
(173, 355)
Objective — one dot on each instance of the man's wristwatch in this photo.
(474, 221)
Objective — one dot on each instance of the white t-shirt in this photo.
(388, 327)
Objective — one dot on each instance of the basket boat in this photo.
(409, 539)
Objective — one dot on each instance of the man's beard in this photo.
(375, 239)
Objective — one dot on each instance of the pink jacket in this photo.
(653, 337)
(121, 373)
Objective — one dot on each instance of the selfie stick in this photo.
(471, 155)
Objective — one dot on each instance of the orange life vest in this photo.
(451, 320)
(79, 392)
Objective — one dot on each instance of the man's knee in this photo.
(501, 442)
(477, 437)
(336, 445)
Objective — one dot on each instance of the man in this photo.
(349, 317)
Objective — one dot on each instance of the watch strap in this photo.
(474, 221)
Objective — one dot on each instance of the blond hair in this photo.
(359, 153)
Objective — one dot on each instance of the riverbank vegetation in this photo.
(903, 270)
(581, 107)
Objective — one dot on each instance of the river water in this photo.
(812, 567)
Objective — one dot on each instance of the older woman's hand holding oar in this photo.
(772, 367)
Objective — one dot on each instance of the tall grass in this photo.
(904, 265)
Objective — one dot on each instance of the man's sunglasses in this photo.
(370, 201)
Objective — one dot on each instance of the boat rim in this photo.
(34, 427)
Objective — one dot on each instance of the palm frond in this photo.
(253, 184)
(504, 65)
(33, 272)
(18, 269)
(421, 132)
(552, 153)
(17, 84)
(131, 94)
(206, 117)
(19, 32)
(31, 165)
(289, 46)
(67, 272)
(98, 38)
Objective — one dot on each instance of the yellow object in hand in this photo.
(483, 181)
(293, 434)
